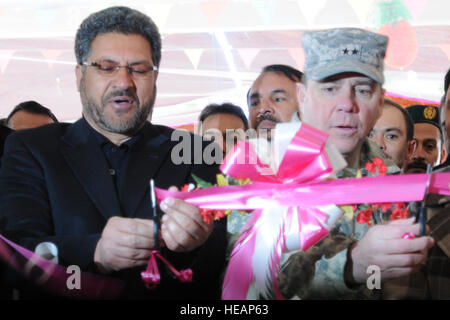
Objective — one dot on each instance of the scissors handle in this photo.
(422, 220)
(422, 215)
(156, 224)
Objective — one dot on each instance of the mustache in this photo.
(121, 93)
(418, 164)
(265, 117)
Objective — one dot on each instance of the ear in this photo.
(411, 148)
(444, 154)
(78, 75)
(301, 95)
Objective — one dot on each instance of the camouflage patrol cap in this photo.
(334, 51)
(424, 114)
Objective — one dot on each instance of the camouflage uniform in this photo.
(318, 273)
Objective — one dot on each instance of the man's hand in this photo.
(384, 247)
(125, 243)
(183, 228)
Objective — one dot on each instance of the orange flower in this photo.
(209, 215)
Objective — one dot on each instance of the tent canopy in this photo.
(213, 50)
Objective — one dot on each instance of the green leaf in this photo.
(232, 181)
(201, 183)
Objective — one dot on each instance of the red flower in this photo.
(365, 216)
(185, 188)
(400, 212)
(209, 215)
(370, 167)
(219, 214)
(377, 163)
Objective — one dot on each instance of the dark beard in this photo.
(416, 167)
(265, 117)
(129, 127)
(261, 119)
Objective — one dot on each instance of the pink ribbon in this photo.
(54, 277)
(297, 183)
(395, 188)
(151, 276)
(305, 160)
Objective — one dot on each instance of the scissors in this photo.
(421, 216)
(155, 215)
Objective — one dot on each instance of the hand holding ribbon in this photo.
(294, 204)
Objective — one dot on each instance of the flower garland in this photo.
(365, 213)
(378, 212)
(210, 215)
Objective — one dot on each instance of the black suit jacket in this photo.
(55, 186)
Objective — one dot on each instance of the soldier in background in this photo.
(428, 137)
(394, 133)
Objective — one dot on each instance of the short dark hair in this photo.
(227, 108)
(32, 107)
(119, 20)
(288, 71)
(408, 120)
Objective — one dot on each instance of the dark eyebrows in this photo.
(393, 129)
(257, 95)
(130, 64)
(254, 96)
(144, 62)
(278, 91)
(430, 140)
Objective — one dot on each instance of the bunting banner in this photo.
(5, 58)
(248, 55)
(51, 56)
(194, 56)
(212, 9)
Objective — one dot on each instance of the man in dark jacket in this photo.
(85, 186)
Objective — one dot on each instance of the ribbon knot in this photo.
(185, 275)
(151, 276)
(288, 228)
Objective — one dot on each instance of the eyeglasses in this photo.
(110, 68)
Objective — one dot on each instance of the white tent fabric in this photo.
(212, 49)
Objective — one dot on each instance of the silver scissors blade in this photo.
(155, 217)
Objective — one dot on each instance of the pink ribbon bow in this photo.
(305, 160)
(151, 276)
(300, 185)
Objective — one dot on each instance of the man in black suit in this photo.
(85, 186)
